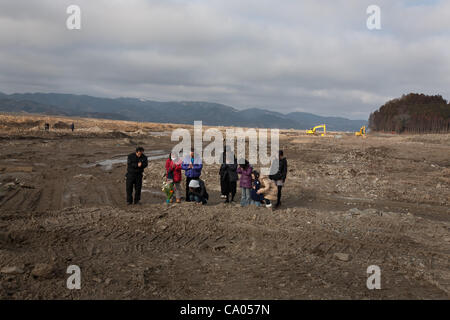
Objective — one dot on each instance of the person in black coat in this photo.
(136, 164)
(280, 176)
(228, 175)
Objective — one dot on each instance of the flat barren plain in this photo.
(348, 203)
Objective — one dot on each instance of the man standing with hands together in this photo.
(136, 164)
(192, 166)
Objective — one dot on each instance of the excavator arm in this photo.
(361, 132)
(313, 130)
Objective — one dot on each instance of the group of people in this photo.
(256, 189)
(195, 187)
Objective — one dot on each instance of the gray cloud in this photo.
(314, 56)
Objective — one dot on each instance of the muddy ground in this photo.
(348, 203)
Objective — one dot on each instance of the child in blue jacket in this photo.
(256, 199)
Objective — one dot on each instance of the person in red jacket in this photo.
(173, 172)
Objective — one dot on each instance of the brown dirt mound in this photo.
(62, 125)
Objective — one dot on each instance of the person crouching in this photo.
(268, 190)
(256, 199)
(197, 191)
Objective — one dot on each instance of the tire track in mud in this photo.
(10, 197)
(267, 246)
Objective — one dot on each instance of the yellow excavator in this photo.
(313, 130)
(361, 132)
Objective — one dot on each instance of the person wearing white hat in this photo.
(197, 191)
(194, 184)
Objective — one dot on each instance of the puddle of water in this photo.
(159, 193)
(105, 164)
(160, 133)
(156, 152)
(152, 152)
(109, 163)
(39, 164)
(162, 156)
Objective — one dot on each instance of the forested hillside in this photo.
(412, 113)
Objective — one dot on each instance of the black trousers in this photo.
(228, 187)
(187, 187)
(223, 186)
(279, 195)
(134, 181)
(232, 190)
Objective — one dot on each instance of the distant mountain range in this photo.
(184, 112)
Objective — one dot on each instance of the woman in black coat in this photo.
(228, 175)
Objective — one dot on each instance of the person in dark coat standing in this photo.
(72, 126)
(228, 175)
(136, 164)
(280, 176)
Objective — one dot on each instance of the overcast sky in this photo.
(282, 55)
